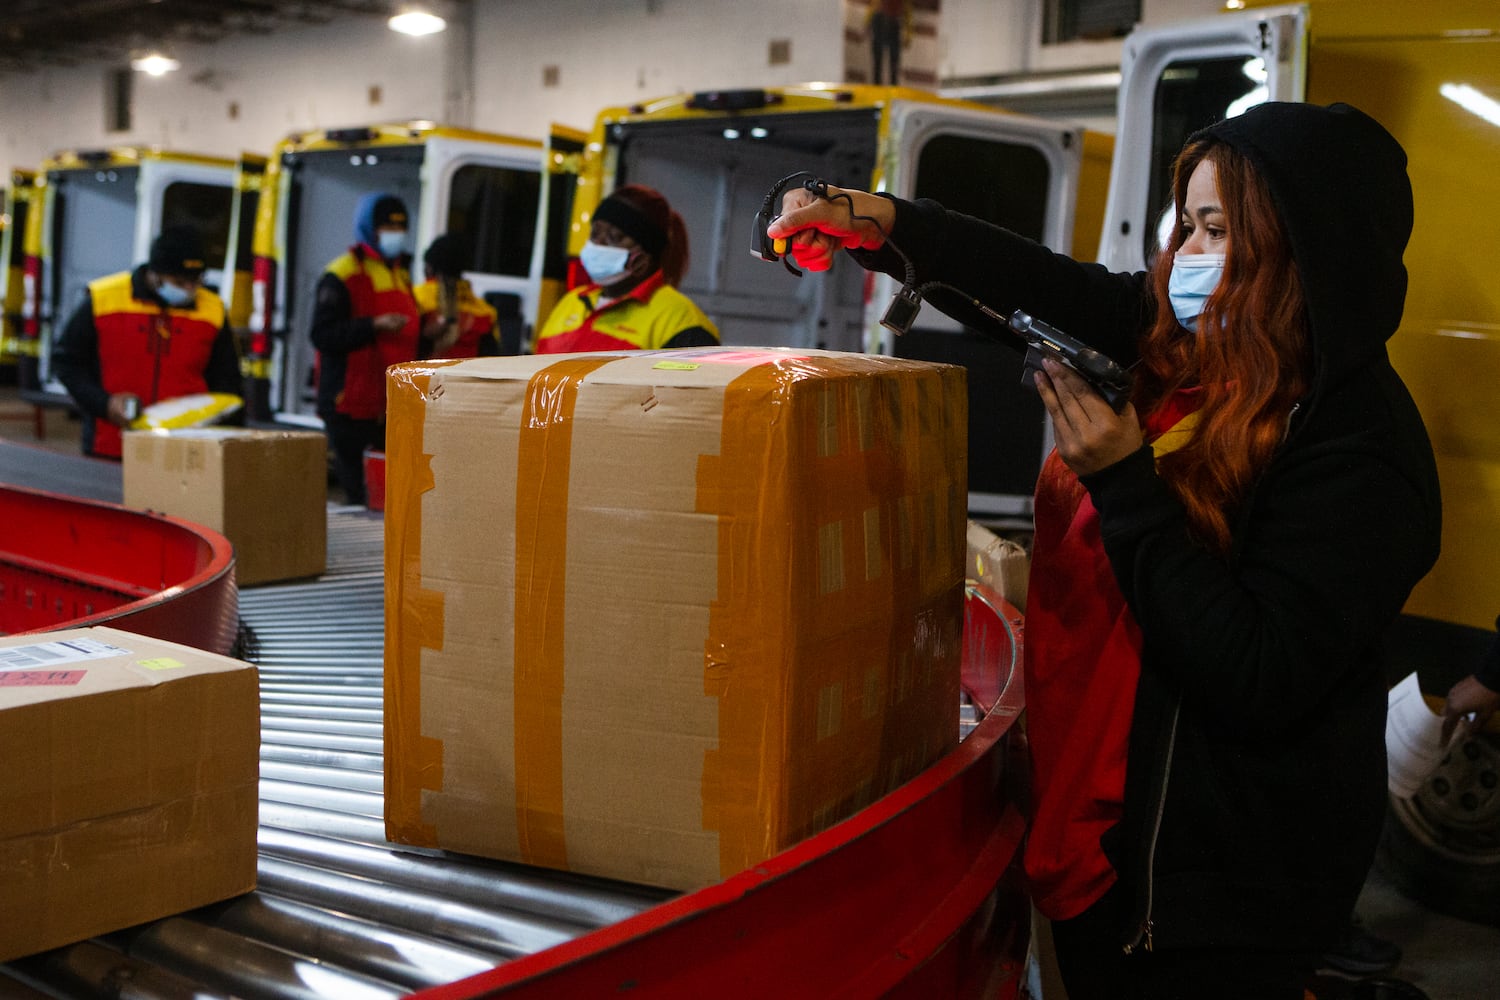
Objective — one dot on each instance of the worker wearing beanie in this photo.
(364, 321)
(143, 336)
(636, 254)
(455, 322)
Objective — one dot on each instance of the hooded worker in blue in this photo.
(364, 320)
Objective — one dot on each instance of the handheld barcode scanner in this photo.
(761, 245)
(1103, 374)
(901, 313)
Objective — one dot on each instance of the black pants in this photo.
(885, 43)
(349, 438)
(1094, 966)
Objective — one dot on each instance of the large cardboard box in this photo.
(265, 491)
(129, 785)
(657, 616)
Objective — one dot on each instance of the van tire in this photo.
(1443, 853)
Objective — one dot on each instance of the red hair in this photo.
(673, 259)
(1250, 354)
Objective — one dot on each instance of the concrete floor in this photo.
(1448, 959)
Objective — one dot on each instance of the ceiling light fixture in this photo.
(416, 21)
(154, 64)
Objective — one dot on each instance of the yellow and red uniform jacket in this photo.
(650, 316)
(144, 348)
(478, 323)
(352, 356)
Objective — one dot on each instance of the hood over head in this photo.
(378, 208)
(1339, 180)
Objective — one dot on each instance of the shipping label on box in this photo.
(659, 615)
(265, 491)
(129, 787)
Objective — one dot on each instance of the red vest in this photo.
(374, 289)
(148, 349)
(1083, 660)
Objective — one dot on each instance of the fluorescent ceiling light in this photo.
(416, 21)
(155, 64)
(1472, 101)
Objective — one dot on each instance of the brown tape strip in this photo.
(741, 778)
(542, 472)
(413, 614)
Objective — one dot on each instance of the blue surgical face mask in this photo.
(605, 265)
(175, 295)
(392, 242)
(1194, 277)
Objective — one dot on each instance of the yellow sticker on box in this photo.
(677, 366)
(160, 663)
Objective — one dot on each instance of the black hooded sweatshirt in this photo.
(1255, 782)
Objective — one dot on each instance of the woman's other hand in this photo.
(1089, 434)
(819, 227)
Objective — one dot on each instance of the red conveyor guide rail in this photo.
(914, 896)
(67, 563)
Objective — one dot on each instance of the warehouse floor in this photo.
(1448, 959)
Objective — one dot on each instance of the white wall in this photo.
(607, 52)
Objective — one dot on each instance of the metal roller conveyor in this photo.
(323, 822)
(386, 954)
(289, 737)
(332, 727)
(223, 960)
(322, 757)
(341, 713)
(508, 934)
(354, 779)
(476, 881)
(322, 797)
(92, 970)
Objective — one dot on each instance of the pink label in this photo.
(39, 678)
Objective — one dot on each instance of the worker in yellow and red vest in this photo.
(364, 321)
(143, 336)
(636, 254)
(456, 323)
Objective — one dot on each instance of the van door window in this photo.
(204, 207)
(1001, 182)
(1193, 94)
(493, 210)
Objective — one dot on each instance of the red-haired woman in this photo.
(1214, 566)
(636, 254)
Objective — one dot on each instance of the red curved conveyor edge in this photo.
(71, 563)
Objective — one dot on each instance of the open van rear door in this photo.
(13, 266)
(239, 258)
(490, 195)
(562, 166)
(1174, 81)
(1018, 172)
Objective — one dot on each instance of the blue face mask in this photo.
(605, 265)
(1194, 277)
(392, 242)
(175, 296)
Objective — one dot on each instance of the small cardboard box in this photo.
(265, 491)
(657, 616)
(129, 785)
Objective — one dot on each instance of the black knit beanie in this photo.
(178, 251)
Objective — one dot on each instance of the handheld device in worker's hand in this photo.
(1103, 374)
